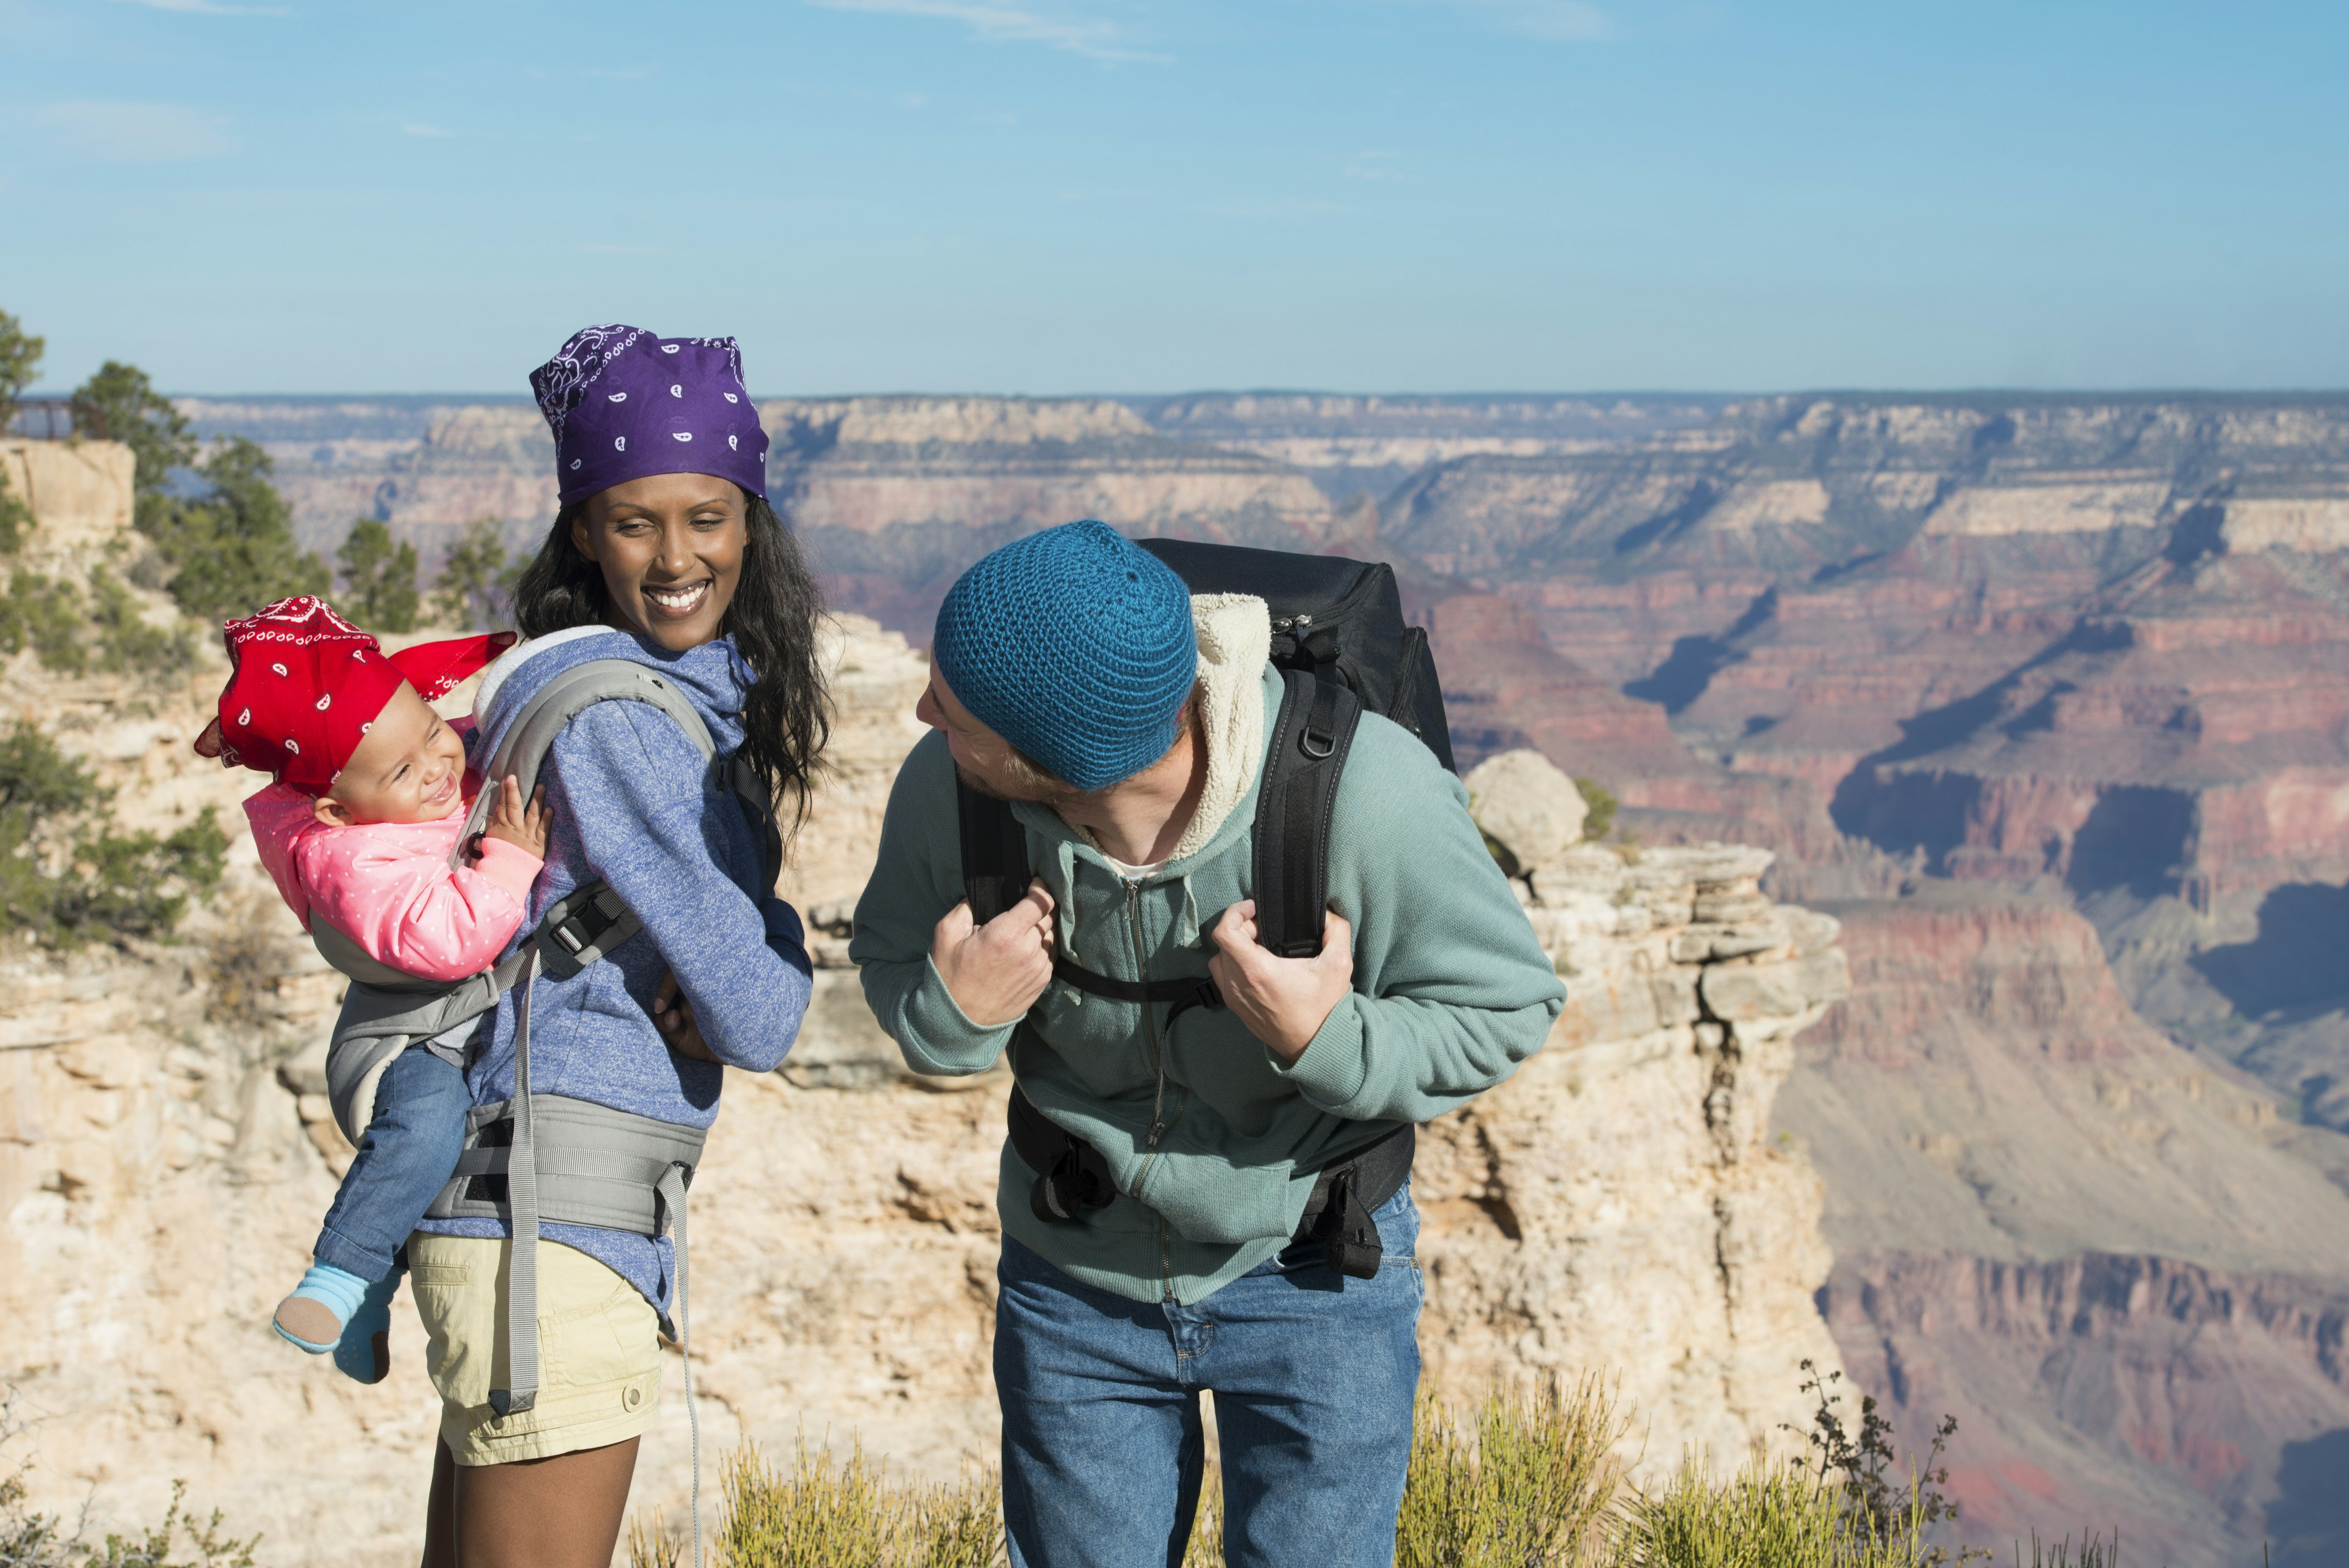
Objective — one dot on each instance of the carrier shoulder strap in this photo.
(591, 921)
(521, 750)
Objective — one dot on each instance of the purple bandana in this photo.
(624, 404)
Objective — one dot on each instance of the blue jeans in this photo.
(1313, 1374)
(405, 1158)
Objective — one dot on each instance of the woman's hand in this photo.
(996, 971)
(522, 827)
(673, 1016)
(1283, 1001)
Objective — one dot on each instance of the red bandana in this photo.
(308, 685)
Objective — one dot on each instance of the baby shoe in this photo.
(312, 1318)
(363, 1354)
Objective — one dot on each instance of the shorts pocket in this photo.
(606, 1342)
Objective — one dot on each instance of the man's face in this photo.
(985, 760)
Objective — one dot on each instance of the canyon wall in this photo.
(2107, 1255)
(1621, 1206)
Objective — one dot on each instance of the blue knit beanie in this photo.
(1074, 646)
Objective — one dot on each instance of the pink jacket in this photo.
(388, 886)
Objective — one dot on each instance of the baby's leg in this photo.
(403, 1160)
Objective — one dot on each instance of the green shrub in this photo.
(128, 644)
(119, 403)
(15, 519)
(47, 617)
(1599, 806)
(475, 587)
(67, 877)
(231, 547)
(20, 364)
(30, 1540)
(1862, 1466)
(379, 577)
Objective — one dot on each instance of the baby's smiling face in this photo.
(408, 767)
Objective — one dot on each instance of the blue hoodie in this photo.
(634, 803)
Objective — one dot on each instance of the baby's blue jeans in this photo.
(405, 1158)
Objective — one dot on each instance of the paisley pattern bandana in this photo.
(624, 404)
(309, 684)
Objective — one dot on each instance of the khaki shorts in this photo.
(599, 1355)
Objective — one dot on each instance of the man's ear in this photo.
(330, 811)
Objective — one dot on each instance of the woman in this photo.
(666, 553)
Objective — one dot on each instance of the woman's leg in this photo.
(441, 1512)
(559, 1512)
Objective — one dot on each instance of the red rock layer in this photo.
(2199, 1413)
(1503, 688)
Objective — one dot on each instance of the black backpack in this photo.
(1339, 639)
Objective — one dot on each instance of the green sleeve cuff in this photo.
(1333, 1070)
(939, 1037)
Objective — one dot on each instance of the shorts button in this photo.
(632, 1398)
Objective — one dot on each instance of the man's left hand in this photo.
(1283, 1001)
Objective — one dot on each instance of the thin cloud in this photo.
(207, 8)
(1092, 38)
(431, 130)
(1558, 21)
(137, 132)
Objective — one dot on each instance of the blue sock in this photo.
(339, 1292)
(365, 1354)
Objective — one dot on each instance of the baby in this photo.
(369, 802)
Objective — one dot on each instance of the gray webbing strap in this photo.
(671, 1190)
(520, 1391)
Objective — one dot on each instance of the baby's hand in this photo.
(524, 827)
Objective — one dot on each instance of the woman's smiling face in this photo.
(670, 548)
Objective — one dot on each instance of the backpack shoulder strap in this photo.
(995, 872)
(1311, 737)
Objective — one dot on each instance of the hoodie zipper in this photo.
(1158, 1067)
(1149, 1027)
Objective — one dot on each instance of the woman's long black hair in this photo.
(787, 715)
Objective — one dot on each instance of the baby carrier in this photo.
(536, 1157)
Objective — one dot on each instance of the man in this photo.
(1169, 1251)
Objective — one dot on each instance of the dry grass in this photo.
(1522, 1478)
(836, 1512)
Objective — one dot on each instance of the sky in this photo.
(1128, 196)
